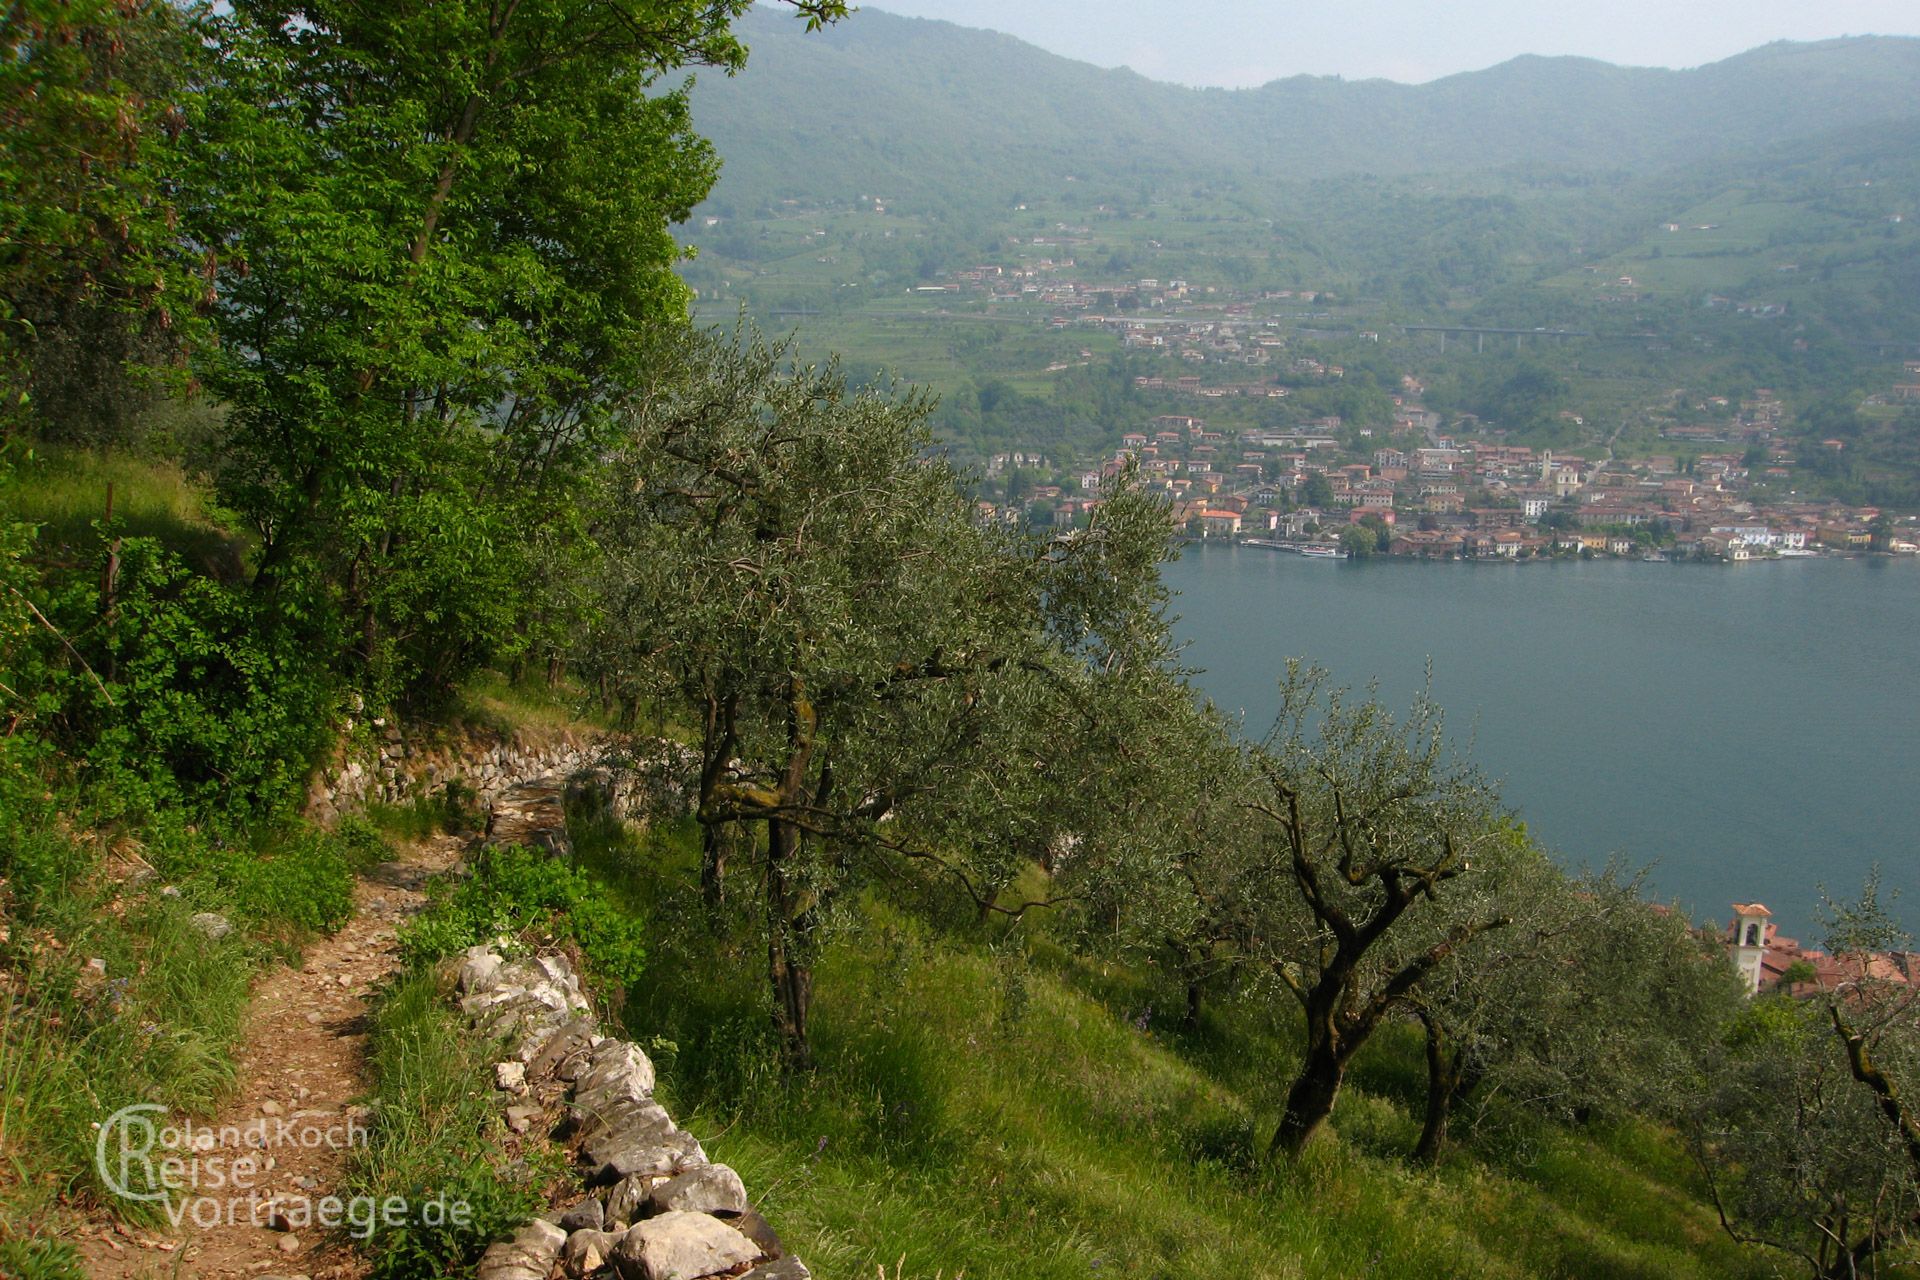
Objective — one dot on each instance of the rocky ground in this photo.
(301, 1074)
(650, 1204)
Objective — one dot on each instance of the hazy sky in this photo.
(1246, 42)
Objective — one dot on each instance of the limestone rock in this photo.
(641, 1138)
(757, 1229)
(479, 967)
(784, 1269)
(565, 1043)
(510, 1076)
(712, 1188)
(629, 1198)
(586, 1251)
(677, 1153)
(588, 1215)
(616, 1070)
(530, 1255)
(681, 1246)
(211, 925)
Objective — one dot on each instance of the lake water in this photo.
(1752, 730)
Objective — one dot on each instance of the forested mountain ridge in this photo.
(926, 111)
(1750, 223)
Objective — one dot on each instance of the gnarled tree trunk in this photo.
(789, 969)
(1323, 1068)
(1310, 1100)
(1446, 1083)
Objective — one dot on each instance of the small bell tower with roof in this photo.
(1751, 925)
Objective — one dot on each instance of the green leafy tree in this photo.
(91, 269)
(880, 680)
(1367, 825)
(438, 234)
(1196, 912)
(1466, 1004)
(1359, 543)
(1593, 1002)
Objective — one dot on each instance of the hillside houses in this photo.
(1768, 960)
(1446, 495)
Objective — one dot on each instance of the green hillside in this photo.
(1805, 222)
(1538, 193)
(966, 138)
(352, 426)
(939, 116)
(990, 1103)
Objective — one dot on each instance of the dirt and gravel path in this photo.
(302, 1069)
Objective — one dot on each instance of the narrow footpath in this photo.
(302, 1072)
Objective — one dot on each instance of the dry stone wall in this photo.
(633, 777)
(652, 1206)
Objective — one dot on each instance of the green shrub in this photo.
(436, 1136)
(534, 897)
(297, 879)
(175, 691)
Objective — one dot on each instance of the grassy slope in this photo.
(992, 1104)
(108, 993)
(65, 492)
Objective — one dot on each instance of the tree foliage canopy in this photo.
(881, 678)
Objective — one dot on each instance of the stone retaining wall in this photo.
(639, 778)
(652, 1206)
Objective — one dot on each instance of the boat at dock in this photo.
(1319, 550)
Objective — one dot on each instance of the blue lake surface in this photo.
(1751, 730)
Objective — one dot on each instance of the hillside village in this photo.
(1453, 498)
(1769, 960)
(1425, 486)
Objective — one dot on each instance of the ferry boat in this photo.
(1321, 550)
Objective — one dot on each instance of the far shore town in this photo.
(1310, 489)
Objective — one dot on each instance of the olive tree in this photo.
(1809, 1136)
(1368, 826)
(1796, 1154)
(1473, 1009)
(880, 680)
(1594, 1001)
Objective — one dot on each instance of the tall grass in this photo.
(155, 1021)
(498, 701)
(64, 491)
(436, 1136)
(988, 1101)
(110, 994)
